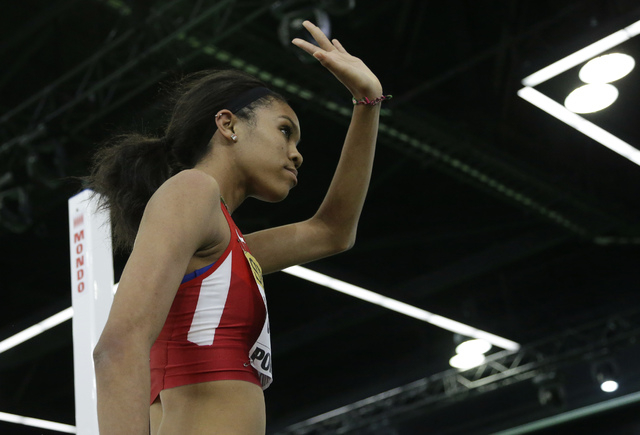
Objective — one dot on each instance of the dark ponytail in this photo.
(130, 168)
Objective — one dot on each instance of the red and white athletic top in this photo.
(218, 325)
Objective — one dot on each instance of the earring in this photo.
(234, 137)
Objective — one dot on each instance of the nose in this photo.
(295, 157)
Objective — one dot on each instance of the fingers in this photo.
(306, 46)
(322, 40)
(318, 35)
(339, 46)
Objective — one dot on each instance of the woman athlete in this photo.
(191, 293)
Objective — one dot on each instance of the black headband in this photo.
(247, 97)
(238, 103)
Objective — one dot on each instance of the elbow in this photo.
(101, 354)
(113, 350)
(336, 237)
(119, 344)
(345, 243)
(350, 243)
(101, 363)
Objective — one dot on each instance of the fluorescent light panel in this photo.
(400, 307)
(300, 272)
(582, 55)
(36, 422)
(576, 121)
(318, 278)
(36, 329)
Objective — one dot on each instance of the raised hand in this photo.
(350, 70)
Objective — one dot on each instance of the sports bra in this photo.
(218, 325)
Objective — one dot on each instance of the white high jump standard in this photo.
(91, 296)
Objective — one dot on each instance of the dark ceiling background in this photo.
(482, 208)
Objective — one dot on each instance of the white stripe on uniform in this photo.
(211, 302)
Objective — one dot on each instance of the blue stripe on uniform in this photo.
(196, 273)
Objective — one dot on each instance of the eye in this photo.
(286, 130)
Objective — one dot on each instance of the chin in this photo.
(273, 197)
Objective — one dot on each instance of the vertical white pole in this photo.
(91, 295)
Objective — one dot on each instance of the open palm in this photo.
(350, 70)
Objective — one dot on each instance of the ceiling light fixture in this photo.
(545, 103)
(36, 422)
(591, 98)
(582, 55)
(607, 68)
(469, 354)
(317, 278)
(474, 346)
(400, 307)
(598, 94)
(36, 329)
(605, 374)
(466, 361)
(609, 386)
(574, 120)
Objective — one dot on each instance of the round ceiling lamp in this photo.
(607, 68)
(466, 361)
(591, 98)
(474, 346)
(609, 386)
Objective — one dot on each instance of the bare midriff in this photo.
(220, 407)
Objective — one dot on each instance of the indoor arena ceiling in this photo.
(483, 208)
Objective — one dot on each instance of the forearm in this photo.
(123, 384)
(342, 206)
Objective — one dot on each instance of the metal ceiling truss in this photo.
(114, 75)
(463, 156)
(129, 62)
(501, 369)
(102, 77)
(470, 160)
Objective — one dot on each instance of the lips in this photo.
(294, 171)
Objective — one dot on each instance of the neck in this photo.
(232, 187)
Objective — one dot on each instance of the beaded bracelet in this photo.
(369, 102)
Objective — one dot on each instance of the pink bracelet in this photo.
(369, 102)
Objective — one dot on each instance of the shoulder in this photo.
(187, 205)
(190, 182)
(189, 187)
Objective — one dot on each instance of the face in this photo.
(268, 148)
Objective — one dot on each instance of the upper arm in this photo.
(289, 245)
(176, 223)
